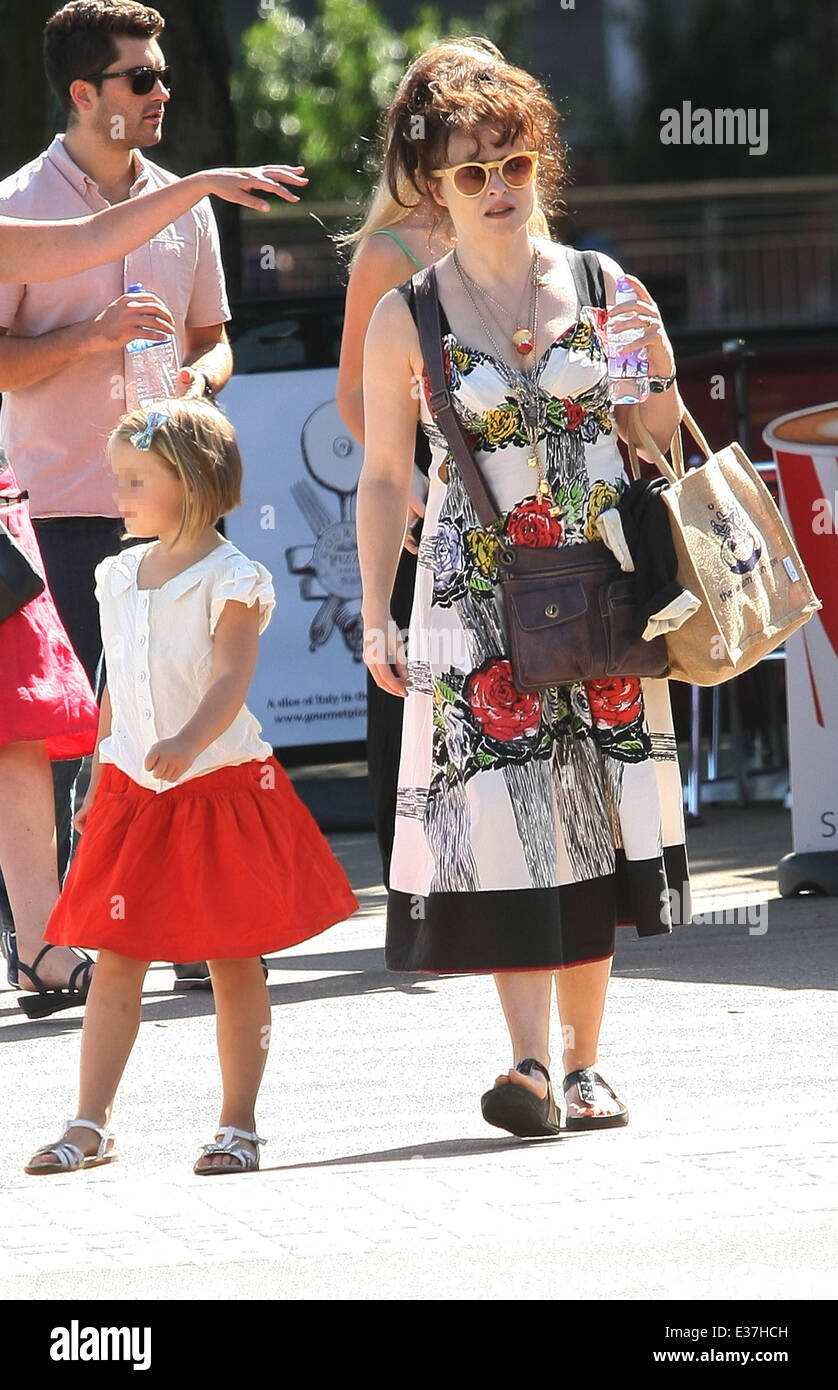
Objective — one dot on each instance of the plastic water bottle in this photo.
(628, 374)
(152, 369)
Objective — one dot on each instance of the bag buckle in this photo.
(440, 400)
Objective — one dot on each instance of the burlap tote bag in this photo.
(734, 553)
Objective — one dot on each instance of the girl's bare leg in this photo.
(27, 858)
(111, 1021)
(580, 993)
(243, 1022)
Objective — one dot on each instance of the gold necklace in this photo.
(529, 402)
(523, 339)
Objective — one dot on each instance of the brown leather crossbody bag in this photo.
(569, 608)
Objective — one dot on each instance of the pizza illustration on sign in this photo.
(328, 568)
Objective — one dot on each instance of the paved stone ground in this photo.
(381, 1181)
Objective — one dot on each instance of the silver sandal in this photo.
(69, 1157)
(231, 1144)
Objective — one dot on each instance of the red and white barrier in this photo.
(805, 448)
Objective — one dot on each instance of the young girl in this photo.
(195, 845)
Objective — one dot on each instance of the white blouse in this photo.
(158, 646)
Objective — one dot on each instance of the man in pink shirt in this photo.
(63, 364)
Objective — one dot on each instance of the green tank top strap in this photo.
(386, 231)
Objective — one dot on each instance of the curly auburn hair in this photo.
(454, 87)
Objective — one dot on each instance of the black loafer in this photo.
(193, 975)
(586, 1078)
(518, 1110)
(196, 975)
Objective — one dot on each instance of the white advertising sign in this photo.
(805, 447)
(301, 468)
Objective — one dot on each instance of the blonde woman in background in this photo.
(402, 232)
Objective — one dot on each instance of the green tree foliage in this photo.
(314, 93)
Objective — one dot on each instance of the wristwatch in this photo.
(661, 383)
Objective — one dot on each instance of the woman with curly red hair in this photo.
(527, 824)
(402, 228)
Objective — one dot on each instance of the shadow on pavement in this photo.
(443, 1148)
(364, 974)
(797, 949)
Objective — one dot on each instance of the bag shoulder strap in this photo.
(588, 278)
(441, 403)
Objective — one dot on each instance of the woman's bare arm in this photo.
(35, 251)
(661, 412)
(392, 365)
(379, 266)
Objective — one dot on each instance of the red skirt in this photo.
(225, 866)
(44, 692)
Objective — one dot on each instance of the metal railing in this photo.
(720, 255)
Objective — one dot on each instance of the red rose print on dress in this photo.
(574, 414)
(502, 710)
(614, 702)
(530, 524)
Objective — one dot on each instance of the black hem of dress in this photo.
(469, 933)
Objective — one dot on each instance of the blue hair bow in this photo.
(142, 439)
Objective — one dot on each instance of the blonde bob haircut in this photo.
(199, 444)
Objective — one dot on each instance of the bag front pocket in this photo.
(628, 654)
(551, 636)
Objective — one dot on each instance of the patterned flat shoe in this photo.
(586, 1079)
(518, 1110)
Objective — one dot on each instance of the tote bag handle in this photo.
(675, 470)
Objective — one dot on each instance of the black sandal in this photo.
(518, 1110)
(586, 1078)
(9, 952)
(52, 1001)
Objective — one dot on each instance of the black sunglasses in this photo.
(143, 80)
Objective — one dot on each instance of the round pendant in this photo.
(522, 341)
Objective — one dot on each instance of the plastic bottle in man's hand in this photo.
(152, 367)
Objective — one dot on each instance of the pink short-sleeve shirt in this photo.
(55, 431)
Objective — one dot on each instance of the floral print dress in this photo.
(527, 824)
